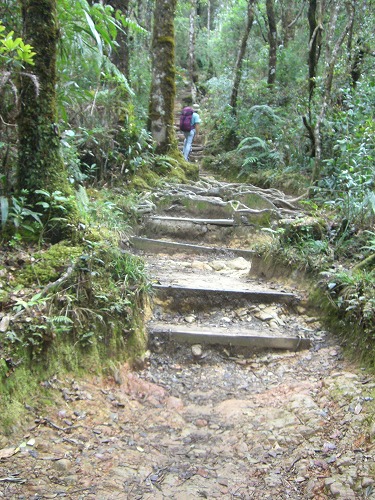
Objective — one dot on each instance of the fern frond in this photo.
(256, 142)
(265, 110)
(61, 320)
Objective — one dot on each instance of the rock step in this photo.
(218, 231)
(172, 247)
(178, 297)
(223, 336)
(213, 222)
(203, 271)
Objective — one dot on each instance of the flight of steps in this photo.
(205, 290)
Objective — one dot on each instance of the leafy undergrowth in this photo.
(68, 307)
(340, 270)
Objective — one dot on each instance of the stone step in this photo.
(223, 336)
(186, 230)
(193, 220)
(173, 247)
(185, 298)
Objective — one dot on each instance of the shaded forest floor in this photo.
(289, 425)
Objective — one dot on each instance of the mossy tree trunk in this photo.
(121, 55)
(163, 89)
(40, 164)
(272, 40)
(193, 75)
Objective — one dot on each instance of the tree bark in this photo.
(121, 56)
(192, 65)
(289, 17)
(314, 44)
(272, 40)
(240, 56)
(316, 29)
(163, 90)
(332, 51)
(40, 164)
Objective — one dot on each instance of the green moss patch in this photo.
(47, 265)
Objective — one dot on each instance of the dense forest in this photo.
(87, 98)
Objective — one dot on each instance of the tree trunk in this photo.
(240, 56)
(286, 20)
(192, 66)
(163, 90)
(314, 45)
(332, 51)
(40, 164)
(272, 40)
(313, 59)
(121, 56)
(357, 63)
(289, 18)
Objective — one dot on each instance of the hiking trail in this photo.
(242, 393)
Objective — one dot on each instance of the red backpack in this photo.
(185, 119)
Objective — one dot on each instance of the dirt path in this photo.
(205, 421)
(272, 425)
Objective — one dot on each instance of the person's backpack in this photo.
(185, 119)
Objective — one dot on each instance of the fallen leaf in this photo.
(8, 452)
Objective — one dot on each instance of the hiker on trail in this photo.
(189, 124)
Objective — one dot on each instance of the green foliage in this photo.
(13, 51)
(108, 217)
(353, 294)
(371, 241)
(259, 154)
(20, 221)
(90, 31)
(348, 182)
(17, 215)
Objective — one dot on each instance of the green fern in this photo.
(262, 110)
(260, 153)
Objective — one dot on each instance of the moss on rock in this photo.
(47, 265)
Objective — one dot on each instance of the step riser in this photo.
(254, 342)
(187, 231)
(170, 247)
(185, 299)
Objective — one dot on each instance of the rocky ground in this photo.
(266, 425)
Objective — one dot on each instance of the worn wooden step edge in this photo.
(205, 336)
(255, 296)
(216, 222)
(153, 245)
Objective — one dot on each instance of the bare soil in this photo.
(267, 425)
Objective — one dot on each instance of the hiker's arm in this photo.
(196, 128)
